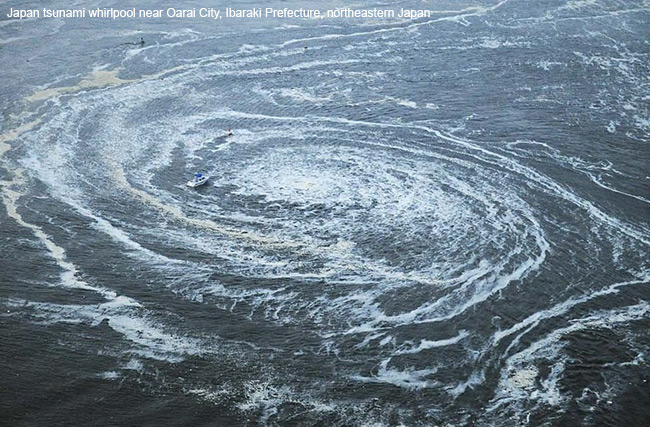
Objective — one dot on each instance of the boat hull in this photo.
(197, 183)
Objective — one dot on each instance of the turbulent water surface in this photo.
(440, 220)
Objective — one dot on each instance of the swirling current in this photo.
(428, 221)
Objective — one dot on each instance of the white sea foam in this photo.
(428, 344)
(562, 308)
(110, 375)
(520, 378)
(407, 378)
(476, 378)
(127, 317)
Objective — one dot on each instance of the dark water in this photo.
(442, 221)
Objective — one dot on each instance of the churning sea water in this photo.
(429, 221)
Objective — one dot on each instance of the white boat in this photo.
(198, 180)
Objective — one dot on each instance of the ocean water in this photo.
(433, 221)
